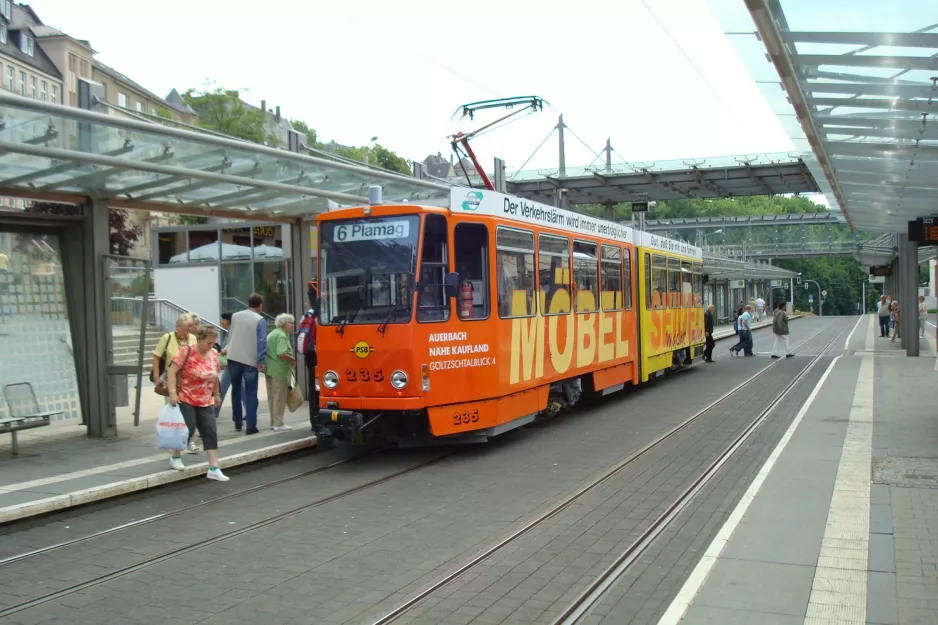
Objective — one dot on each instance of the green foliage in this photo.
(162, 112)
(223, 111)
(140, 285)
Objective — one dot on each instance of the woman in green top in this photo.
(279, 373)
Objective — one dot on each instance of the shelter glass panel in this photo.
(34, 324)
(203, 246)
(236, 244)
(271, 281)
(586, 276)
(172, 248)
(553, 259)
(267, 242)
(659, 278)
(514, 257)
(237, 284)
(611, 293)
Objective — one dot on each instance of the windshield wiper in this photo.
(394, 310)
(340, 329)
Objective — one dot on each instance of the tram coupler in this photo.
(338, 426)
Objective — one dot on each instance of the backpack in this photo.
(306, 334)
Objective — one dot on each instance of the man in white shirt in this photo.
(760, 308)
(745, 322)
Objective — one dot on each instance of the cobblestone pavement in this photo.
(354, 557)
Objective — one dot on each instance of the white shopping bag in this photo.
(171, 430)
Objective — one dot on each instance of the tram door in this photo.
(471, 255)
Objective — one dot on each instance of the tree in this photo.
(223, 111)
(124, 233)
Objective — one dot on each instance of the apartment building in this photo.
(128, 94)
(25, 67)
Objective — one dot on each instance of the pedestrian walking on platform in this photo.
(166, 350)
(882, 312)
(922, 315)
(196, 393)
(737, 328)
(780, 330)
(760, 308)
(306, 346)
(279, 373)
(247, 353)
(708, 329)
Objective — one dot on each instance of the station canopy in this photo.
(49, 151)
(854, 83)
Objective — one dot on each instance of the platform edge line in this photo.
(695, 581)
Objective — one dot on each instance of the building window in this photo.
(139, 107)
(32, 87)
(6, 8)
(72, 98)
(73, 63)
(55, 94)
(4, 35)
(27, 44)
(43, 91)
(121, 99)
(84, 69)
(22, 83)
(10, 77)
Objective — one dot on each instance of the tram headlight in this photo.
(398, 380)
(330, 379)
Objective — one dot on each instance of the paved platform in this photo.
(59, 466)
(840, 525)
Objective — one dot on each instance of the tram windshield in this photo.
(367, 269)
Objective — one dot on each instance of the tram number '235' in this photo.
(351, 375)
(465, 417)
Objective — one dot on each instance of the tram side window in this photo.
(432, 304)
(471, 249)
(659, 275)
(627, 277)
(514, 260)
(687, 289)
(586, 276)
(553, 268)
(611, 267)
(674, 283)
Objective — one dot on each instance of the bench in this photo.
(24, 411)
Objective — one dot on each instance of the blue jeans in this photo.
(224, 384)
(239, 374)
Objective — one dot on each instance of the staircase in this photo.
(127, 343)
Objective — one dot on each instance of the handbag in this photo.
(162, 386)
(295, 396)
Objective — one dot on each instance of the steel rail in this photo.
(567, 501)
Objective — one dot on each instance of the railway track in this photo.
(589, 597)
(52, 596)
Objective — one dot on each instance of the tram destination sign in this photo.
(371, 231)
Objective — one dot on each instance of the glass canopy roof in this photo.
(857, 92)
(47, 149)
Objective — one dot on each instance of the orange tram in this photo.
(463, 322)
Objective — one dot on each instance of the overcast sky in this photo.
(353, 70)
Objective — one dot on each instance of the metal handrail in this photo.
(160, 319)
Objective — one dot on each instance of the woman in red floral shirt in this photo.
(198, 395)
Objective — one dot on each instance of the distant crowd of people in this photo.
(890, 317)
(199, 371)
(744, 316)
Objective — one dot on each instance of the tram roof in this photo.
(56, 152)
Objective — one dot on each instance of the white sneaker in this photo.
(283, 428)
(217, 475)
(176, 463)
(193, 448)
